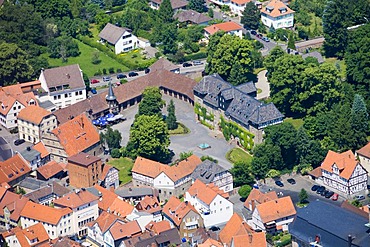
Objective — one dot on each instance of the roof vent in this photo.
(68, 76)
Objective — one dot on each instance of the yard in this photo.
(124, 165)
(84, 60)
(297, 123)
(338, 63)
(238, 154)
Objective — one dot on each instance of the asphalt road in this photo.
(263, 84)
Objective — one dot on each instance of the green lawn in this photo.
(295, 122)
(341, 63)
(84, 60)
(124, 165)
(238, 154)
(181, 129)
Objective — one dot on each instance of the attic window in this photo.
(10, 175)
(282, 10)
(204, 172)
(269, 9)
(22, 170)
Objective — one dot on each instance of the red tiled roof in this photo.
(83, 159)
(276, 5)
(211, 243)
(121, 230)
(13, 168)
(50, 169)
(77, 134)
(106, 199)
(259, 197)
(158, 227)
(276, 209)
(33, 114)
(234, 227)
(10, 94)
(364, 151)
(35, 233)
(346, 163)
(105, 221)
(317, 172)
(225, 26)
(15, 204)
(75, 199)
(206, 193)
(255, 239)
(149, 204)
(44, 213)
(40, 147)
(106, 169)
(240, 2)
(177, 210)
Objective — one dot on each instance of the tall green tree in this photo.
(14, 64)
(111, 137)
(359, 122)
(151, 103)
(242, 173)
(169, 35)
(291, 41)
(244, 191)
(309, 152)
(197, 5)
(270, 59)
(266, 156)
(166, 11)
(303, 196)
(149, 138)
(171, 117)
(251, 16)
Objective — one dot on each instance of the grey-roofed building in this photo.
(32, 156)
(164, 64)
(236, 103)
(135, 194)
(47, 105)
(314, 54)
(327, 224)
(30, 184)
(192, 17)
(121, 38)
(175, 4)
(48, 193)
(162, 239)
(211, 172)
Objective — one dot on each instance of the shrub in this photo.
(245, 190)
(111, 70)
(207, 157)
(98, 72)
(119, 70)
(157, 55)
(123, 81)
(104, 71)
(115, 153)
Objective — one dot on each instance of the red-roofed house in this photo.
(168, 180)
(150, 205)
(120, 231)
(75, 136)
(158, 227)
(31, 236)
(109, 177)
(229, 27)
(14, 170)
(277, 15)
(183, 216)
(257, 197)
(343, 172)
(11, 206)
(363, 155)
(210, 202)
(50, 170)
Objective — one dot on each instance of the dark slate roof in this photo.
(93, 191)
(192, 16)
(314, 54)
(247, 87)
(112, 33)
(46, 104)
(212, 85)
(32, 183)
(66, 75)
(134, 192)
(30, 154)
(206, 171)
(50, 189)
(265, 113)
(332, 223)
(170, 236)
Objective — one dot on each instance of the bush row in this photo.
(232, 129)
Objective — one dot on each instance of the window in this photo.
(76, 93)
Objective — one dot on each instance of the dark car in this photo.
(254, 32)
(265, 39)
(121, 76)
(147, 71)
(368, 186)
(329, 194)
(320, 189)
(315, 187)
(323, 192)
(132, 74)
(291, 180)
(258, 35)
(93, 91)
(18, 142)
(214, 228)
(279, 183)
(187, 65)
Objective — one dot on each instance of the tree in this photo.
(115, 153)
(303, 196)
(111, 137)
(14, 65)
(359, 122)
(151, 103)
(291, 41)
(251, 16)
(244, 191)
(166, 11)
(197, 5)
(149, 138)
(269, 61)
(63, 46)
(242, 174)
(231, 51)
(185, 155)
(210, 12)
(171, 117)
(168, 38)
(95, 58)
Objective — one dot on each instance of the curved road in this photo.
(263, 84)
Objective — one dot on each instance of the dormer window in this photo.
(269, 9)
(282, 10)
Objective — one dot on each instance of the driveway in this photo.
(263, 84)
(184, 143)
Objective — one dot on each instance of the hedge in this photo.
(195, 56)
(202, 112)
(233, 129)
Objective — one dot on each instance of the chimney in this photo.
(28, 148)
(350, 239)
(68, 76)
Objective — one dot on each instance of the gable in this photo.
(163, 179)
(358, 171)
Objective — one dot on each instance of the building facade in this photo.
(363, 156)
(84, 170)
(276, 14)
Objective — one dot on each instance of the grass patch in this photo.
(259, 90)
(124, 165)
(297, 123)
(198, 79)
(181, 129)
(84, 60)
(238, 154)
(301, 205)
(257, 70)
(135, 57)
(342, 65)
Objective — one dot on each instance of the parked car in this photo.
(18, 142)
(197, 62)
(315, 187)
(335, 197)
(368, 186)
(118, 83)
(320, 189)
(106, 78)
(279, 183)
(93, 81)
(147, 71)
(186, 64)
(265, 39)
(291, 180)
(121, 76)
(93, 91)
(360, 197)
(258, 35)
(323, 192)
(254, 32)
(329, 194)
(132, 74)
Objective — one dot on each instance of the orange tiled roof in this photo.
(15, 204)
(44, 213)
(234, 227)
(35, 232)
(121, 230)
(177, 210)
(225, 26)
(50, 169)
(211, 243)
(33, 114)
(120, 208)
(205, 193)
(13, 168)
(106, 169)
(240, 1)
(152, 168)
(75, 199)
(259, 197)
(149, 204)
(276, 5)
(346, 163)
(364, 151)
(40, 147)
(276, 209)
(77, 134)
(107, 197)
(105, 221)
(10, 94)
(255, 239)
(158, 227)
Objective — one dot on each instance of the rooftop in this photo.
(83, 159)
(276, 8)
(276, 209)
(105, 221)
(205, 193)
(75, 199)
(40, 147)
(112, 33)
(30, 154)
(120, 230)
(52, 188)
(163, 64)
(234, 227)
(69, 77)
(134, 192)
(206, 171)
(50, 169)
(44, 213)
(257, 197)
(35, 234)
(224, 26)
(33, 114)
(15, 204)
(346, 163)
(13, 168)
(14, 93)
(192, 16)
(177, 210)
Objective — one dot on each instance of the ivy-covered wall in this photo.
(232, 129)
(203, 115)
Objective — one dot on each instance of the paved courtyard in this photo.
(189, 142)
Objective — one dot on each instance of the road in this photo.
(263, 84)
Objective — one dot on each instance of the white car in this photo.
(360, 197)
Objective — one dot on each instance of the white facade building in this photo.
(277, 15)
(210, 202)
(363, 156)
(229, 27)
(64, 85)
